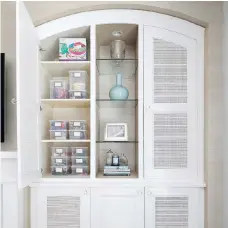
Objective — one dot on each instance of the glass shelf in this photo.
(116, 141)
(107, 103)
(128, 67)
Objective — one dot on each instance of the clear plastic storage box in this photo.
(78, 134)
(60, 170)
(80, 170)
(78, 80)
(60, 151)
(80, 160)
(58, 134)
(58, 125)
(58, 89)
(80, 151)
(77, 125)
(61, 161)
(78, 94)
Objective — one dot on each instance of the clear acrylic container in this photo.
(78, 80)
(61, 161)
(58, 89)
(78, 134)
(58, 125)
(77, 125)
(58, 134)
(84, 160)
(80, 170)
(60, 151)
(80, 151)
(60, 170)
(78, 94)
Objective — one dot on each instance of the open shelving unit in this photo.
(99, 105)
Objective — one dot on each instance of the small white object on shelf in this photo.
(116, 132)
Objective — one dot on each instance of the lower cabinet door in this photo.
(116, 207)
(174, 208)
(61, 207)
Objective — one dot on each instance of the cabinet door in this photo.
(117, 207)
(174, 207)
(27, 98)
(173, 93)
(61, 207)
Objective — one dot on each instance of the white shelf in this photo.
(132, 176)
(67, 103)
(65, 141)
(8, 154)
(61, 177)
(61, 68)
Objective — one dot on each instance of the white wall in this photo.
(8, 45)
(225, 74)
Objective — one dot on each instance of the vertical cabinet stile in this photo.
(93, 101)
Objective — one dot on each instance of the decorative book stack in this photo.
(117, 171)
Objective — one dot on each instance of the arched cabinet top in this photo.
(119, 16)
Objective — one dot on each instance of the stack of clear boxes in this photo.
(61, 161)
(77, 129)
(78, 84)
(74, 88)
(70, 161)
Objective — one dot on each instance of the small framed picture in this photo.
(116, 132)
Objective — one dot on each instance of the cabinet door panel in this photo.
(173, 148)
(27, 99)
(174, 207)
(63, 207)
(117, 207)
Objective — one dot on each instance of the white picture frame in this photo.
(116, 132)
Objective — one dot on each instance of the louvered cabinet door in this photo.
(63, 207)
(174, 208)
(173, 143)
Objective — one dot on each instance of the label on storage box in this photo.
(59, 160)
(77, 134)
(58, 133)
(59, 150)
(57, 124)
(58, 84)
(79, 170)
(78, 160)
(79, 151)
(77, 94)
(77, 74)
(77, 124)
(58, 170)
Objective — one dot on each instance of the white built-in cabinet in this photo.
(163, 72)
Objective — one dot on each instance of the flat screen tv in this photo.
(2, 98)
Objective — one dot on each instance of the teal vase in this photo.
(118, 92)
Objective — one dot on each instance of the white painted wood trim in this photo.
(8, 155)
(93, 101)
(119, 16)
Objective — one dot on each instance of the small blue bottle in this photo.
(118, 92)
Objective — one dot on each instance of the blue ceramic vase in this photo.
(118, 92)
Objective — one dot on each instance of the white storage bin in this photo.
(60, 151)
(61, 161)
(78, 80)
(58, 125)
(60, 170)
(80, 151)
(78, 94)
(58, 134)
(77, 125)
(83, 160)
(80, 170)
(78, 134)
(58, 89)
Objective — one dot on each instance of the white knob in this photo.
(148, 107)
(139, 192)
(14, 100)
(149, 193)
(86, 193)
